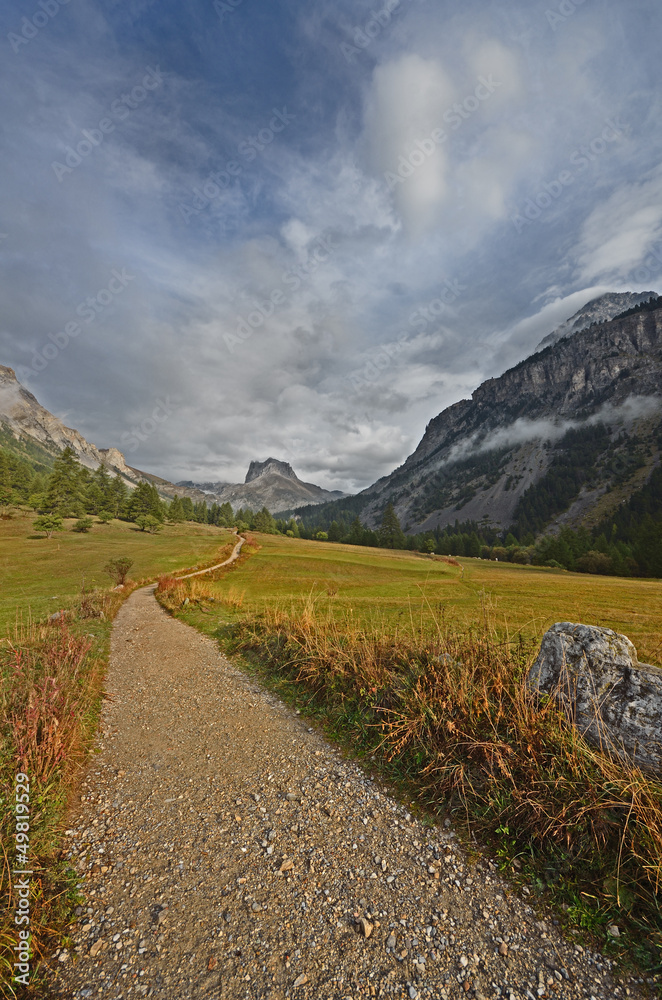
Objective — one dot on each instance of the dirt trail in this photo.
(229, 852)
(236, 552)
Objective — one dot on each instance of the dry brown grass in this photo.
(50, 689)
(453, 720)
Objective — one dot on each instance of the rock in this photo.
(503, 949)
(365, 927)
(391, 941)
(96, 948)
(613, 931)
(614, 701)
(286, 866)
(300, 981)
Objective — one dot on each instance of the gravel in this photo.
(225, 850)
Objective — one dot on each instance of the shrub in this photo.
(83, 525)
(48, 523)
(147, 522)
(117, 569)
(595, 562)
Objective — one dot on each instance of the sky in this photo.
(235, 229)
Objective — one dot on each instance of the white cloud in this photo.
(621, 230)
(522, 430)
(407, 100)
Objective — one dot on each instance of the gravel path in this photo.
(227, 851)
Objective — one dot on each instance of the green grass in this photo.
(401, 591)
(41, 575)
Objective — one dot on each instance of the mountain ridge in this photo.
(478, 458)
(599, 310)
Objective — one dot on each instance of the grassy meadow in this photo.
(40, 575)
(407, 593)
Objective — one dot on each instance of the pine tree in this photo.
(356, 532)
(117, 497)
(66, 492)
(145, 501)
(176, 511)
(263, 521)
(226, 518)
(391, 535)
(200, 512)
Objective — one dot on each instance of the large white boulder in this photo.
(612, 699)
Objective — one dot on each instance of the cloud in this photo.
(523, 430)
(621, 230)
(285, 390)
(407, 100)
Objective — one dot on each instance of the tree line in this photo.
(628, 543)
(70, 490)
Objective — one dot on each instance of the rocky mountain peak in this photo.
(271, 466)
(599, 310)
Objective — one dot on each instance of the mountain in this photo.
(564, 437)
(26, 419)
(599, 310)
(272, 484)
(28, 428)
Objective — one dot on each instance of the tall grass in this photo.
(50, 694)
(451, 719)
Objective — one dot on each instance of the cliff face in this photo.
(22, 413)
(478, 457)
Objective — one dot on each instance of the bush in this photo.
(595, 562)
(48, 523)
(117, 569)
(322, 536)
(105, 517)
(147, 522)
(83, 525)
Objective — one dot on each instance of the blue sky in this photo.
(239, 229)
